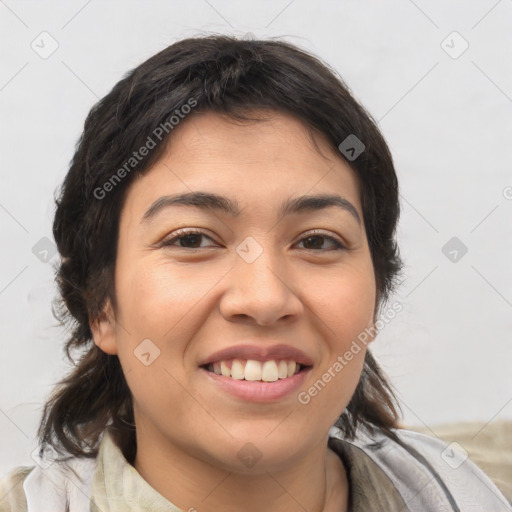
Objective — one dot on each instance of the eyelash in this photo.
(186, 232)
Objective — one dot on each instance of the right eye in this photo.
(188, 239)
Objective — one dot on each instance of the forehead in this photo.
(266, 135)
(257, 162)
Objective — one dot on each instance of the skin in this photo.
(192, 302)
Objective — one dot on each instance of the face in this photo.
(228, 311)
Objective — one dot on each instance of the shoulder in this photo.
(54, 486)
(428, 471)
(12, 495)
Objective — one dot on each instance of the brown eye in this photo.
(187, 240)
(192, 240)
(316, 242)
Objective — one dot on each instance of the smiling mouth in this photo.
(253, 370)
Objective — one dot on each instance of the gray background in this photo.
(447, 120)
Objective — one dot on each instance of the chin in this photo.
(259, 453)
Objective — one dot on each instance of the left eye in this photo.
(316, 241)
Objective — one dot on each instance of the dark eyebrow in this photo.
(209, 201)
(203, 200)
(319, 202)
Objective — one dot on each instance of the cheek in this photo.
(165, 304)
(345, 302)
(156, 297)
(153, 314)
(345, 307)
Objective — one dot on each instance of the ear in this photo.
(103, 329)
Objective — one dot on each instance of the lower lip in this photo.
(258, 391)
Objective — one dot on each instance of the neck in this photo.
(317, 482)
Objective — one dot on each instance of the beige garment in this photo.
(489, 446)
(383, 476)
(12, 497)
(116, 486)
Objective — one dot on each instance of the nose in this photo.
(261, 292)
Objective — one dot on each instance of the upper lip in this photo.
(260, 353)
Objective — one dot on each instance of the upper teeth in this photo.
(267, 371)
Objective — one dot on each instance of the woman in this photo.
(227, 234)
